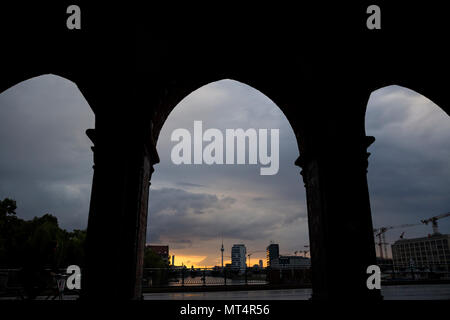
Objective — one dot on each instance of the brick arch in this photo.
(432, 92)
(14, 79)
(432, 89)
(170, 101)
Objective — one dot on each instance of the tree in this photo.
(39, 241)
(7, 207)
(8, 222)
(153, 260)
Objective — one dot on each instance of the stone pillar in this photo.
(146, 170)
(339, 219)
(123, 165)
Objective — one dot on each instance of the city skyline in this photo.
(256, 257)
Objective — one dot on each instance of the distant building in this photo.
(431, 252)
(273, 252)
(275, 261)
(239, 257)
(162, 251)
(261, 264)
(293, 262)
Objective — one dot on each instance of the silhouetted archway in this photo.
(215, 94)
(46, 167)
(44, 120)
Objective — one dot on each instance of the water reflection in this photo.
(399, 292)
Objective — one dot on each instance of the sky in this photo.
(409, 167)
(46, 166)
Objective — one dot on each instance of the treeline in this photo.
(39, 242)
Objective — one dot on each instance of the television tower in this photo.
(222, 250)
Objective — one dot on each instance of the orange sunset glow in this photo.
(199, 261)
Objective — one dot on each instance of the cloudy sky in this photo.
(46, 165)
(233, 201)
(45, 158)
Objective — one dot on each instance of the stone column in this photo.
(339, 219)
(146, 170)
(123, 165)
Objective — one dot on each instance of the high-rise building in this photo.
(275, 261)
(238, 257)
(431, 252)
(273, 253)
(261, 264)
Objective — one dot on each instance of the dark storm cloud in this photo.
(180, 202)
(187, 184)
(260, 199)
(409, 170)
(46, 161)
(174, 216)
(229, 105)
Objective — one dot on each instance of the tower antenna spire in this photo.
(222, 250)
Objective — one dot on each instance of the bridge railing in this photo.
(12, 280)
(413, 271)
(179, 276)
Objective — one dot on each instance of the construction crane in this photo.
(380, 233)
(304, 251)
(434, 220)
